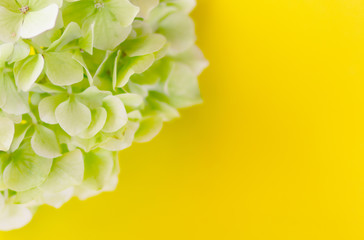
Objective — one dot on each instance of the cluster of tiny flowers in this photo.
(81, 80)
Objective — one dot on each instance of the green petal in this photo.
(2, 91)
(24, 197)
(10, 24)
(47, 108)
(27, 72)
(56, 200)
(131, 66)
(108, 33)
(135, 115)
(116, 114)
(92, 97)
(87, 41)
(10, 5)
(26, 169)
(122, 139)
(71, 33)
(38, 22)
(78, 11)
(47, 87)
(144, 45)
(21, 51)
(67, 171)
(73, 116)
(15, 102)
(7, 133)
(98, 168)
(131, 99)
(184, 5)
(182, 87)
(98, 121)
(123, 10)
(40, 4)
(4, 161)
(146, 6)
(6, 50)
(148, 129)
(20, 131)
(194, 58)
(115, 69)
(163, 109)
(44, 142)
(62, 69)
(179, 30)
(14, 216)
(78, 57)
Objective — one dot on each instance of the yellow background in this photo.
(275, 152)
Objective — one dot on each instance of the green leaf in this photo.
(47, 108)
(44, 142)
(27, 72)
(116, 114)
(26, 169)
(73, 116)
(6, 133)
(62, 69)
(148, 129)
(39, 21)
(67, 171)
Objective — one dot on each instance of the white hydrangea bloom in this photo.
(81, 80)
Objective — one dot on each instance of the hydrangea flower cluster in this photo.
(81, 80)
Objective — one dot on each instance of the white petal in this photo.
(38, 22)
(14, 217)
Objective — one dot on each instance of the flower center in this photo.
(99, 4)
(24, 9)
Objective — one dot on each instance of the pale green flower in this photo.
(81, 80)
(26, 18)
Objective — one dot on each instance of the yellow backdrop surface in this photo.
(275, 152)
